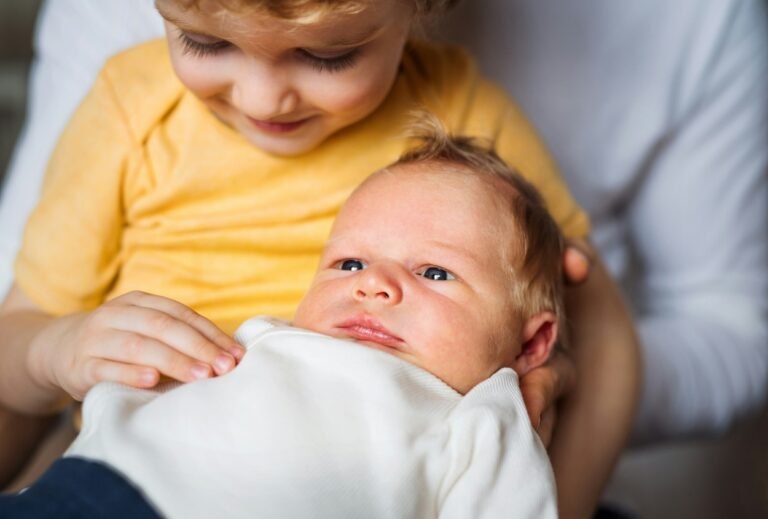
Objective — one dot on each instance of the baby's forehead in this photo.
(452, 192)
(442, 175)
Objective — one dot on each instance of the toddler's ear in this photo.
(538, 336)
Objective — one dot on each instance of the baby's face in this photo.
(414, 266)
(287, 86)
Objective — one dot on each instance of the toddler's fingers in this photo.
(185, 314)
(129, 347)
(101, 370)
(172, 331)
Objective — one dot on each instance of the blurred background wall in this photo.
(17, 19)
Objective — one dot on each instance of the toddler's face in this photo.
(414, 266)
(286, 87)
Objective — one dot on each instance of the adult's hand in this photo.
(577, 261)
(544, 386)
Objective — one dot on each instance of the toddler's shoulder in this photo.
(449, 83)
(432, 59)
(438, 68)
(142, 83)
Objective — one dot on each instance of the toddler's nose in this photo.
(264, 93)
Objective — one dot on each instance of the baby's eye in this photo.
(351, 265)
(436, 274)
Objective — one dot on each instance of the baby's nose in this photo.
(379, 283)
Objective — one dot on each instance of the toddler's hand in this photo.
(132, 339)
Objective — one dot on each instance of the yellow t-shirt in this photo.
(147, 190)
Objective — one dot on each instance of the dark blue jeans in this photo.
(77, 488)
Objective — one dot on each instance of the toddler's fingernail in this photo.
(237, 352)
(148, 378)
(224, 363)
(200, 371)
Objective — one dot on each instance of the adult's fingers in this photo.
(564, 372)
(577, 261)
(547, 426)
(543, 386)
(538, 388)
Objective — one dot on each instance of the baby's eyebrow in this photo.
(457, 251)
(335, 245)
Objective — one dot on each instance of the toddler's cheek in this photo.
(356, 97)
(203, 81)
(204, 86)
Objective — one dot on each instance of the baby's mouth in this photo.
(367, 329)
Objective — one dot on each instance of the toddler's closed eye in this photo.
(335, 63)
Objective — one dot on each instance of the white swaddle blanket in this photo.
(316, 427)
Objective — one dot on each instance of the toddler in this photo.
(446, 267)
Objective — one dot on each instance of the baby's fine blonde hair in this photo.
(308, 11)
(535, 256)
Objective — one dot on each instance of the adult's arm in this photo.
(698, 225)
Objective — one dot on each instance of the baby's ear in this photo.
(538, 338)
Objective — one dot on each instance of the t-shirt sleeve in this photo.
(70, 252)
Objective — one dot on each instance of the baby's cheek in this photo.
(305, 313)
(316, 310)
(449, 356)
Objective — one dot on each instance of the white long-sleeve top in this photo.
(311, 426)
(656, 112)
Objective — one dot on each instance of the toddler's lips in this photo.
(278, 127)
(365, 328)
